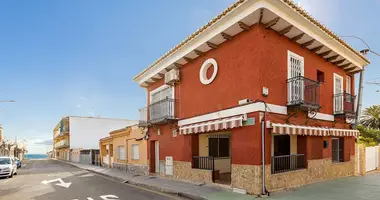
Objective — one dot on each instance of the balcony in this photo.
(303, 93)
(160, 112)
(287, 163)
(344, 105)
(61, 144)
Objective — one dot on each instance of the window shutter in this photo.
(135, 151)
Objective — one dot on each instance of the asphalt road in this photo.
(50, 180)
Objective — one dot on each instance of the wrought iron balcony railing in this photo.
(303, 92)
(344, 104)
(288, 163)
(158, 112)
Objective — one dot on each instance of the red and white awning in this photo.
(215, 125)
(290, 129)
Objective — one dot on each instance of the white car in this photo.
(8, 167)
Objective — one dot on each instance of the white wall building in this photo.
(74, 133)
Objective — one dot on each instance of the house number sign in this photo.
(203, 72)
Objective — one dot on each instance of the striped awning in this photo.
(311, 130)
(215, 125)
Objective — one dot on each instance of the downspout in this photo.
(263, 153)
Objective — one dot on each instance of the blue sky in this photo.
(60, 58)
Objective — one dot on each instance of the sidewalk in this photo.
(169, 186)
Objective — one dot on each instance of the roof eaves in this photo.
(236, 4)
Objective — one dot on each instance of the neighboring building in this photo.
(125, 149)
(12, 148)
(73, 134)
(258, 62)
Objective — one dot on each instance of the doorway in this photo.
(154, 157)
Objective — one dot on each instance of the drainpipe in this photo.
(263, 153)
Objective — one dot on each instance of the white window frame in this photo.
(133, 152)
(348, 84)
(159, 89)
(294, 55)
(291, 54)
(118, 152)
(341, 78)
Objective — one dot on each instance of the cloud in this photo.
(44, 142)
(78, 106)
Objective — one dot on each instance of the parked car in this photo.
(18, 163)
(8, 167)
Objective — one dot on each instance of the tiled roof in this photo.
(290, 3)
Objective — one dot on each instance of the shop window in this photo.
(320, 76)
(337, 149)
(219, 147)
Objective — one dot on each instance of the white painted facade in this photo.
(85, 132)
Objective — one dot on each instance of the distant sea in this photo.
(35, 156)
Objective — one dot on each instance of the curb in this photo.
(143, 185)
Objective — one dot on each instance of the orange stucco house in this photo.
(125, 149)
(261, 99)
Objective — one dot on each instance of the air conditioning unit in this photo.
(172, 76)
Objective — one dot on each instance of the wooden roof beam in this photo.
(325, 53)
(285, 30)
(177, 65)
(339, 62)
(199, 53)
(316, 49)
(272, 22)
(308, 43)
(212, 45)
(346, 66)
(261, 15)
(332, 58)
(187, 59)
(349, 68)
(244, 26)
(163, 72)
(298, 37)
(226, 36)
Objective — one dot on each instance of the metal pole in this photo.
(263, 153)
(360, 97)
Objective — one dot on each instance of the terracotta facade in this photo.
(252, 60)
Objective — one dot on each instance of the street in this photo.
(53, 180)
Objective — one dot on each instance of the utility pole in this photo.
(360, 92)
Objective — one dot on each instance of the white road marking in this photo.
(109, 197)
(61, 182)
(104, 197)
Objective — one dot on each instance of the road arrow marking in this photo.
(106, 197)
(61, 182)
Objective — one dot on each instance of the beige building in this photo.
(125, 149)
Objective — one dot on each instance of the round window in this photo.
(203, 72)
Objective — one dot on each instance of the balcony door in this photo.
(338, 91)
(295, 69)
(160, 108)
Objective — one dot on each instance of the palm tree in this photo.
(371, 117)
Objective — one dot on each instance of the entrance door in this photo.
(157, 156)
